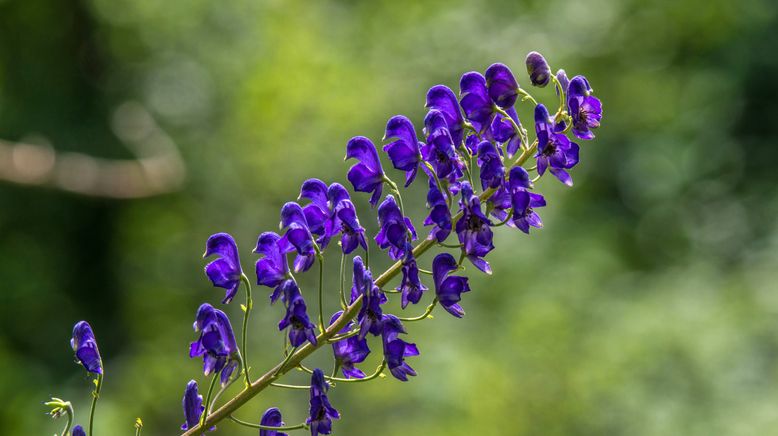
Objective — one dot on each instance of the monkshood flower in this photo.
(448, 288)
(271, 418)
(473, 229)
(350, 351)
(331, 212)
(273, 268)
(396, 230)
(490, 163)
(440, 216)
(410, 286)
(193, 406)
(79, 431)
(538, 69)
(85, 347)
(367, 175)
(216, 342)
(224, 272)
(440, 148)
(555, 151)
(502, 86)
(504, 132)
(585, 109)
(299, 235)
(370, 314)
(443, 99)
(396, 350)
(475, 101)
(524, 201)
(404, 151)
(297, 317)
(321, 411)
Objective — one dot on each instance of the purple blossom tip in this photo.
(84, 345)
(224, 272)
(502, 85)
(538, 69)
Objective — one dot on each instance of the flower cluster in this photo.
(470, 140)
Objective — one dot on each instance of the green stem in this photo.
(443, 244)
(377, 373)
(424, 315)
(285, 386)
(507, 218)
(439, 184)
(424, 271)
(246, 310)
(207, 403)
(286, 360)
(95, 396)
(526, 96)
(343, 302)
(343, 336)
(321, 291)
(267, 427)
(138, 426)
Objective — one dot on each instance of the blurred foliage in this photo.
(646, 306)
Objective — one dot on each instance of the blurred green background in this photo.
(647, 305)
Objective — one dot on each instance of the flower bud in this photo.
(538, 69)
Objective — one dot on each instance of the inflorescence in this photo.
(480, 131)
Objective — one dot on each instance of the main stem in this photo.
(306, 350)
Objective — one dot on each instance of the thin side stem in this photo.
(377, 373)
(268, 427)
(247, 309)
(204, 416)
(321, 291)
(285, 386)
(95, 396)
(424, 315)
(343, 302)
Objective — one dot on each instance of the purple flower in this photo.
(585, 109)
(471, 142)
(523, 201)
(448, 288)
(490, 163)
(404, 151)
(396, 350)
(555, 150)
(85, 347)
(273, 268)
(443, 99)
(216, 342)
(440, 148)
(473, 229)
(502, 86)
(193, 406)
(349, 351)
(332, 212)
(411, 287)
(504, 132)
(370, 314)
(78, 431)
(396, 230)
(321, 411)
(299, 235)
(538, 69)
(475, 101)
(271, 418)
(297, 317)
(224, 272)
(439, 215)
(367, 175)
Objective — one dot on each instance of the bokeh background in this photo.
(648, 304)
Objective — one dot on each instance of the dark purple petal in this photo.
(226, 271)
(538, 69)
(404, 151)
(502, 85)
(475, 100)
(79, 431)
(443, 99)
(367, 175)
(272, 418)
(85, 347)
